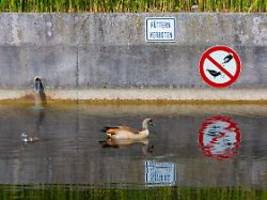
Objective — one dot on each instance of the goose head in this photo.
(147, 122)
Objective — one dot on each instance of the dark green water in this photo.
(193, 152)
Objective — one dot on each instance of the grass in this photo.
(133, 6)
(59, 192)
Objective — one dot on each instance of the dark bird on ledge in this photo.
(214, 73)
(227, 58)
(38, 85)
(39, 89)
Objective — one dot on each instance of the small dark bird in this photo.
(38, 85)
(227, 58)
(214, 73)
(39, 90)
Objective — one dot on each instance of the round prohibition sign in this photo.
(219, 66)
(219, 137)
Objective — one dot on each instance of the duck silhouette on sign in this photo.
(227, 58)
(214, 73)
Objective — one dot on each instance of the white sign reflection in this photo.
(160, 173)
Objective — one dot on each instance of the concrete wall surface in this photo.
(97, 51)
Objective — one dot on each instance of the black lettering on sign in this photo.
(161, 35)
(160, 24)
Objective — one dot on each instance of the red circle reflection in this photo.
(219, 137)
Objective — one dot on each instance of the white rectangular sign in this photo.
(160, 173)
(160, 29)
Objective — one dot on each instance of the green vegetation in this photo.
(132, 5)
(69, 192)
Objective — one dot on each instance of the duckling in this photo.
(125, 132)
(27, 139)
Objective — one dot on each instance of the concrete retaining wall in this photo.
(96, 51)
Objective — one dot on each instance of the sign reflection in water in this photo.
(219, 137)
(160, 173)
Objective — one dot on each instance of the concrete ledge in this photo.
(162, 94)
(144, 94)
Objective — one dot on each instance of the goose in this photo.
(28, 139)
(125, 132)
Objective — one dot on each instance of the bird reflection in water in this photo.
(30, 136)
(122, 144)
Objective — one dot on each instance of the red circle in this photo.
(232, 126)
(204, 57)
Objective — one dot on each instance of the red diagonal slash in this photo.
(220, 67)
(215, 139)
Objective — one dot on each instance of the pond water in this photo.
(193, 151)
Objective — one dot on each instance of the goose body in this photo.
(126, 133)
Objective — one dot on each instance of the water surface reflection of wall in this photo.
(69, 151)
